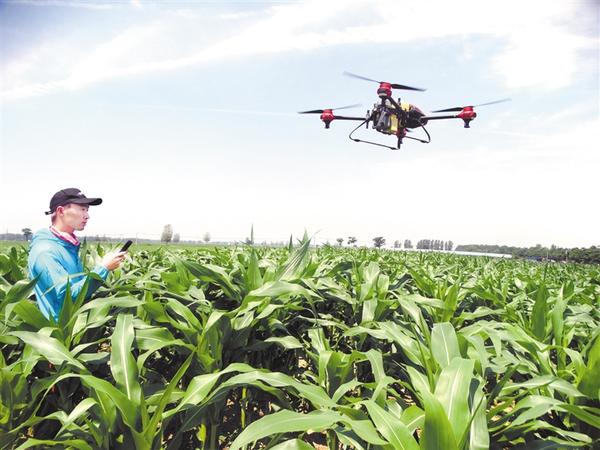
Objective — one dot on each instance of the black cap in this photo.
(71, 195)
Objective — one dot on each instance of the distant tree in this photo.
(449, 245)
(379, 241)
(206, 237)
(351, 240)
(250, 240)
(176, 237)
(27, 233)
(167, 234)
(397, 244)
(408, 244)
(340, 241)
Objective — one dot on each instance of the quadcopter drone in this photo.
(396, 118)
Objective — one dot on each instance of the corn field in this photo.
(299, 348)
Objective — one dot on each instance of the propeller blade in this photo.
(320, 111)
(393, 85)
(460, 108)
(346, 107)
(353, 75)
(494, 102)
(407, 88)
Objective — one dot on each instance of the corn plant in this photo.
(293, 347)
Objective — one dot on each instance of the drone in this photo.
(396, 118)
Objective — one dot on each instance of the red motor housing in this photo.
(467, 114)
(327, 117)
(385, 90)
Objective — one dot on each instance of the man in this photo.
(54, 253)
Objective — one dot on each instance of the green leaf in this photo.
(151, 430)
(444, 343)
(275, 289)
(539, 315)
(413, 417)
(31, 314)
(49, 347)
(396, 432)
(67, 443)
(21, 290)
(286, 422)
(253, 277)
(437, 431)
(314, 394)
(103, 390)
(479, 435)
(296, 262)
(452, 391)
(213, 274)
(293, 444)
(77, 412)
(122, 362)
(549, 381)
(589, 383)
(419, 382)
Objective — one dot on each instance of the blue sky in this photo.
(184, 112)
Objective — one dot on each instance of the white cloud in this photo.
(538, 49)
(97, 5)
(541, 56)
(109, 60)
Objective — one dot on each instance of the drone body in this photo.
(396, 118)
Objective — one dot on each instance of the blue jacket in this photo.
(56, 262)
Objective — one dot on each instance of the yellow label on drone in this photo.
(393, 124)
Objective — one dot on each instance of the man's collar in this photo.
(67, 237)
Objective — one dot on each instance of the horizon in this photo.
(262, 240)
(186, 113)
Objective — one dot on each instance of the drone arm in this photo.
(349, 118)
(466, 114)
(438, 117)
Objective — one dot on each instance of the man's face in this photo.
(75, 216)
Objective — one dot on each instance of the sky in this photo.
(185, 113)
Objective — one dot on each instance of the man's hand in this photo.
(113, 260)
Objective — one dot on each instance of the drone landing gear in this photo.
(370, 142)
(388, 146)
(422, 141)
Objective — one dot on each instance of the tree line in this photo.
(423, 244)
(589, 255)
